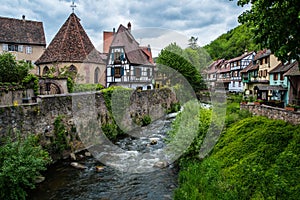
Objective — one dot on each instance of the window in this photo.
(29, 50)
(233, 84)
(117, 72)
(5, 47)
(20, 48)
(73, 69)
(138, 72)
(281, 77)
(96, 75)
(240, 84)
(45, 70)
(275, 76)
(149, 73)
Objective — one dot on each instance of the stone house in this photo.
(72, 48)
(128, 64)
(23, 38)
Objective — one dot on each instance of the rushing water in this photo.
(65, 182)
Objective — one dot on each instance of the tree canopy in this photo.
(176, 61)
(276, 25)
(12, 70)
(233, 43)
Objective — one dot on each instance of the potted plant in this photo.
(258, 102)
(292, 107)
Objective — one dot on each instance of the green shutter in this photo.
(112, 71)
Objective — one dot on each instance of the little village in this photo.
(117, 123)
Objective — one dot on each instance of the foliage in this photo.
(233, 43)
(111, 130)
(70, 84)
(12, 70)
(146, 120)
(203, 181)
(255, 158)
(20, 164)
(182, 66)
(188, 130)
(60, 143)
(32, 81)
(275, 24)
(174, 107)
(87, 87)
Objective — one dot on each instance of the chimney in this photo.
(246, 51)
(114, 31)
(129, 26)
(23, 17)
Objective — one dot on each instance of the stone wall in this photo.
(38, 118)
(16, 96)
(292, 117)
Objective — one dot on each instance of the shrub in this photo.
(20, 164)
(146, 120)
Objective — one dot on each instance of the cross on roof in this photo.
(73, 6)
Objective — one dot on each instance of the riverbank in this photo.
(255, 158)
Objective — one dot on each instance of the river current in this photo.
(65, 182)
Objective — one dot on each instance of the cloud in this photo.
(205, 19)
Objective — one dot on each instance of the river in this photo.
(65, 182)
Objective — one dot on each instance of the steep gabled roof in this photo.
(70, 44)
(240, 57)
(21, 31)
(294, 70)
(282, 68)
(135, 55)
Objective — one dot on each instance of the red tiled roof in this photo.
(70, 44)
(135, 55)
(215, 66)
(21, 31)
(250, 67)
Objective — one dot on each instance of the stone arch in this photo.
(97, 75)
(48, 86)
(45, 70)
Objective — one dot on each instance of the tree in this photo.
(276, 25)
(12, 70)
(168, 59)
(193, 42)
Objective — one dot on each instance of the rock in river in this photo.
(78, 165)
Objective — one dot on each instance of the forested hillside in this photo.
(232, 44)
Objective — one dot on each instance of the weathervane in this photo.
(73, 6)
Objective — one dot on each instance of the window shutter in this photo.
(122, 71)
(134, 72)
(112, 71)
(112, 56)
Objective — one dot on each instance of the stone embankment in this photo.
(39, 118)
(292, 117)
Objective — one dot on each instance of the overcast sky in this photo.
(155, 22)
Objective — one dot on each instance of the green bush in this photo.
(146, 120)
(255, 158)
(87, 87)
(20, 164)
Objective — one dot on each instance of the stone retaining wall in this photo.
(273, 113)
(38, 118)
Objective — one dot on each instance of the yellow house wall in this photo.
(266, 66)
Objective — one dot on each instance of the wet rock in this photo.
(99, 168)
(78, 165)
(161, 164)
(88, 154)
(153, 141)
(39, 179)
(72, 156)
